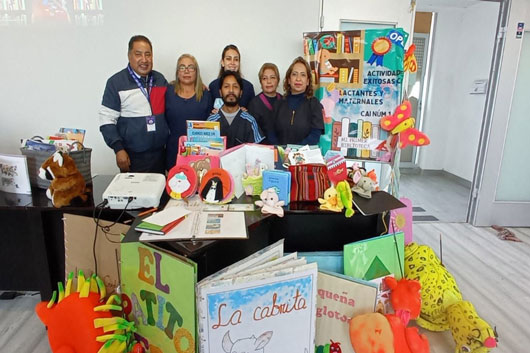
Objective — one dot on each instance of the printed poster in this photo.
(358, 77)
(159, 295)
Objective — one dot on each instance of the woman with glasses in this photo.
(186, 99)
(230, 61)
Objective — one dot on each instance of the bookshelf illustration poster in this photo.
(358, 78)
(159, 295)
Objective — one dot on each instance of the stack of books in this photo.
(203, 137)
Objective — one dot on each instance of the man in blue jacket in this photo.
(237, 125)
(132, 117)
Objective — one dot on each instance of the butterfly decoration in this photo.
(403, 124)
(410, 63)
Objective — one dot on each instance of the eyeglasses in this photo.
(190, 68)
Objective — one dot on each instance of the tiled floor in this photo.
(493, 274)
(436, 195)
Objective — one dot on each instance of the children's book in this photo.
(375, 257)
(264, 303)
(306, 155)
(280, 180)
(73, 134)
(236, 159)
(204, 225)
(339, 299)
(14, 176)
(158, 288)
(203, 129)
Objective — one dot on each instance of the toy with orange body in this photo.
(82, 321)
(378, 333)
(67, 182)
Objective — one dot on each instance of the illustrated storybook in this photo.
(14, 174)
(236, 159)
(159, 290)
(339, 299)
(204, 225)
(265, 302)
(375, 257)
(280, 180)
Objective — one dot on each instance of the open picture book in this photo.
(265, 302)
(199, 221)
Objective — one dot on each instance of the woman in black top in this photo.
(298, 116)
(261, 107)
(230, 61)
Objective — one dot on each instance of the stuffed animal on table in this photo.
(67, 182)
(83, 321)
(346, 197)
(375, 332)
(443, 307)
(331, 200)
(364, 184)
(270, 202)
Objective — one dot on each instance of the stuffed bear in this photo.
(67, 182)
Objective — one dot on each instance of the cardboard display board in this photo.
(78, 245)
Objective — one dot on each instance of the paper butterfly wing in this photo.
(401, 113)
(414, 137)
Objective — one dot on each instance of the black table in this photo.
(32, 251)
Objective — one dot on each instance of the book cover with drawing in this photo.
(158, 288)
(264, 303)
(339, 299)
(14, 176)
(375, 257)
(73, 134)
(280, 180)
(236, 159)
(204, 225)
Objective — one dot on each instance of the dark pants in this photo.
(148, 162)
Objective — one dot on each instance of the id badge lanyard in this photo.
(150, 120)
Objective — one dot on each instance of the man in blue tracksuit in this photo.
(132, 117)
(237, 125)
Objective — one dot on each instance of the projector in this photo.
(135, 190)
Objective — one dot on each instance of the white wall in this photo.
(53, 76)
(462, 51)
(388, 11)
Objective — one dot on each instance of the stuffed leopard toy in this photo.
(442, 306)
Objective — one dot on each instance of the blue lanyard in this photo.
(140, 86)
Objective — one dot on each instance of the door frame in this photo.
(484, 209)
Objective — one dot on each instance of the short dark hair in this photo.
(226, 74)
(139, 38)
